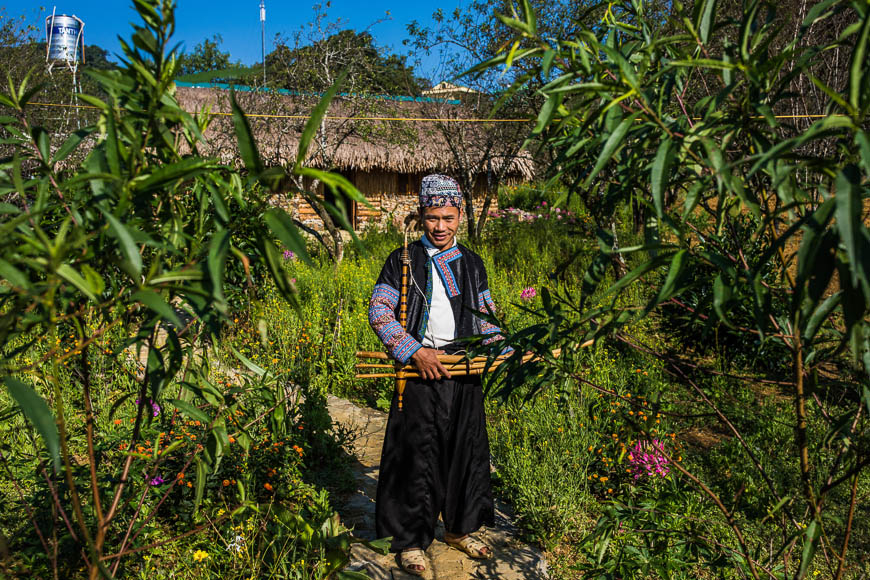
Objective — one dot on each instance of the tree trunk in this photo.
(468, 195)
(336, 251)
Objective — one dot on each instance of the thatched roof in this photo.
(358, 136)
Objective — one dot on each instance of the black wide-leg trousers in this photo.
(435, 461)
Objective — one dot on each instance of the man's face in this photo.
(440, 224)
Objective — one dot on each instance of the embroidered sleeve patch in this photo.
(442, 264)
(486, 305)
(382, 319)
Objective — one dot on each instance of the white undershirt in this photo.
(441, 328)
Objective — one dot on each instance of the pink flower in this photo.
(528, 293)
(156, 480)
(648, 459)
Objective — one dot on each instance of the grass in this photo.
(566, 460)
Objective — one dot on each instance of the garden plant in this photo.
(753, 236)
(128, 442)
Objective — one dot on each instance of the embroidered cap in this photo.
(440, 191)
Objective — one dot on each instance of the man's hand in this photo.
(428, 365)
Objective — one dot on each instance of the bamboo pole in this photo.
(403, 315)
(458, 365)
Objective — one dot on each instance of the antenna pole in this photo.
(263, 29)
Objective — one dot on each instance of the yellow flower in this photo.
(199, 555)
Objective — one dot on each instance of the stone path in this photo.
(512, 559)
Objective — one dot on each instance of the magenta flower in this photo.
(155, 408)
(528, 293)
(648, 459)
(156, 480)
(288, 255)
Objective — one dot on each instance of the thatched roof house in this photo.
(383, 146)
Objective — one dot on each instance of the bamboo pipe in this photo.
(450, 358)
(462, 367)
(403, 314)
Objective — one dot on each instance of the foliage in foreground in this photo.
(751, 225)
(121, 433)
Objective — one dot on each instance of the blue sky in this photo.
(237, 22)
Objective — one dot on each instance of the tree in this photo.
(311, 58)
(144, 232)
(312, 61)
(482, 152)
(206, 56)
(758, 231)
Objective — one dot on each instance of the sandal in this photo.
(413, 561)
(473, 547)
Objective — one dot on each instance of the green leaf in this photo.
(610, 146)
(815, 13)
(155, 302)
(863, 143)
(857, 68)
(548, 109)
(201, 476)
(820, 315)
(547, 61)
(70, 144)
(177, 276)
(811, 537)
(168, 174)
(244, 135)
(13, 275)
(125, 241)
(282, 226)
(313, 123)
(675, 271)
(279, 275)
(660, 172)
(721, 297)
(217, 256)
(848, 214)
(351, 575)
(706, 16)
(191, 411)
(253, 367)
(38, 413)
(704, 63)
(638, 272)
(93, 279)
(381, 545)
(69, 274)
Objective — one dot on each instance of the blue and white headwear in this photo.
(440, 191)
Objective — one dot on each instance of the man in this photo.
(435, 459)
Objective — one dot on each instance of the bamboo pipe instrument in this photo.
(458, 365)
(403, 314)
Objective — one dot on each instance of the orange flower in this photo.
(189, 484)
(232, 439)
(122, 446)
(117, 421)
(226, 482)
(268, 486)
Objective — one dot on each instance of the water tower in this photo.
(65, 46)
(64, 40)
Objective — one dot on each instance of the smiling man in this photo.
(435, 459)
